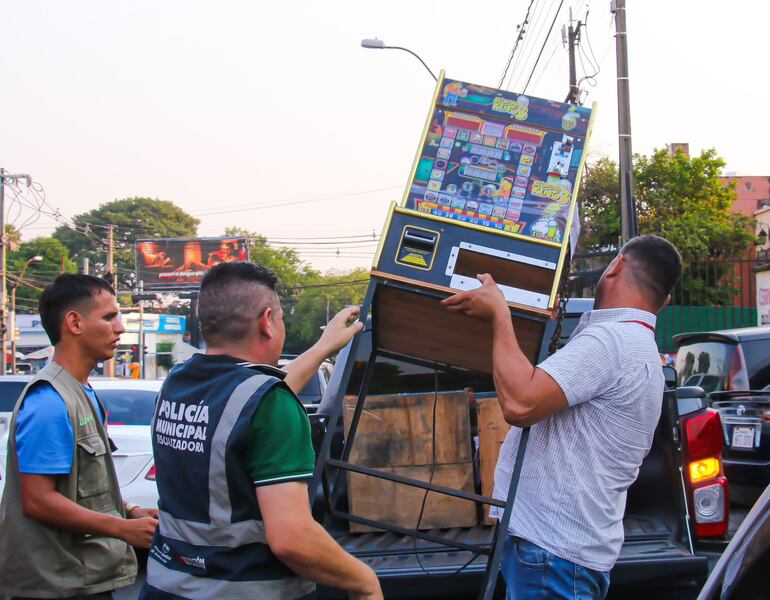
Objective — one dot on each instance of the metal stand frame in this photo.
(329, 484)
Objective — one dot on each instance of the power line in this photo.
(326, 285)
(529, 45)
(306, 200)
(550, 29)
(519, 36)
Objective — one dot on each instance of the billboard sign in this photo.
(172, 264)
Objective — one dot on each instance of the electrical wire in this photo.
(425, 495)
(537, 60)
(521, 30)
(305, 200)
(531, 42)
(545, 68)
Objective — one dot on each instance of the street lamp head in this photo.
(36, 259)
(373, 43)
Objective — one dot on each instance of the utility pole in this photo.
(573, 37)
(86, 265)
(110, 364)
(141, 330)
(3, 255)
(628, 225)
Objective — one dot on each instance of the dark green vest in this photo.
(41, 561)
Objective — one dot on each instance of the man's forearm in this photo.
(62, 513)
(303, 368)
(317, 557)
(511, 369)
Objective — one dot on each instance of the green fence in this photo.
(683, 319)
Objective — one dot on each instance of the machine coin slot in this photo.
(417, 248)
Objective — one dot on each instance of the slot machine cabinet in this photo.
(493, 189)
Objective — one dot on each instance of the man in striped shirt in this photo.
(592, 407)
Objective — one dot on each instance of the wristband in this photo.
(129, 507)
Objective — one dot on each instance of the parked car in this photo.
(746, 424)
(311, 394)
(733, 359)
(129, 404)
(11, 387)
(741, 571)
(727, 364)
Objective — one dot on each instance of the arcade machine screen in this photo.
(499, 160)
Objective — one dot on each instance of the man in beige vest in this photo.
(64, 529)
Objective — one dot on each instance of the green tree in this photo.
(56, 259)
(682, 199)
(135, 218)
(319, 300)
(284, 262)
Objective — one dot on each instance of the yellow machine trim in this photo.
(573, 207)
(385, 228)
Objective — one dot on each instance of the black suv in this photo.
(733, 367)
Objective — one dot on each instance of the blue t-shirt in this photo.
(44, 437)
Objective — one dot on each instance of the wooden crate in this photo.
(492, 432)
(394, 434)
(396, 430)
(400, 505)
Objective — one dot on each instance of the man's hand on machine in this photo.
(339, 331)
(482, 303)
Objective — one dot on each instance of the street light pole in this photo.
(3, 255)
(375, 44)
(12, 327)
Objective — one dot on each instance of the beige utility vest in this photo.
(44, 562)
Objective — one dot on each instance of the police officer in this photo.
(233, 455)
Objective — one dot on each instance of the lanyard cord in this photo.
(647, 325)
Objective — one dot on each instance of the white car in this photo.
(129, 404)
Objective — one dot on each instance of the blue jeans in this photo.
(533, 573)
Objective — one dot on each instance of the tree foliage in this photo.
(56, 259)
(135, 218)
(682, 199)
(321, 298)
(305, 293)
(284, 262)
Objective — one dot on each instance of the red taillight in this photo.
(708, 493)
(151, 474)
(737, 378)
(704, 435)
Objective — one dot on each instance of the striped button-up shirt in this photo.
(580, 461)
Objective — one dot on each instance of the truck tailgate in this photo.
(648, 554)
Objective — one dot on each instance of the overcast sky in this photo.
(224, 106)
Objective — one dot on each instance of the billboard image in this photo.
(499, 160)
(181, 263)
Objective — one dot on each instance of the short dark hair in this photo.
(232, 296)
(62, 295)
(656, 265)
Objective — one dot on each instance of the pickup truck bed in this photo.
(657, 552)
(655, 555)
(648, 553)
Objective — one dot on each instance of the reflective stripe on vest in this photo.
(220, 507)
(205, 588)
(229, 535)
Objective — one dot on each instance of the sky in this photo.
(272, 117)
